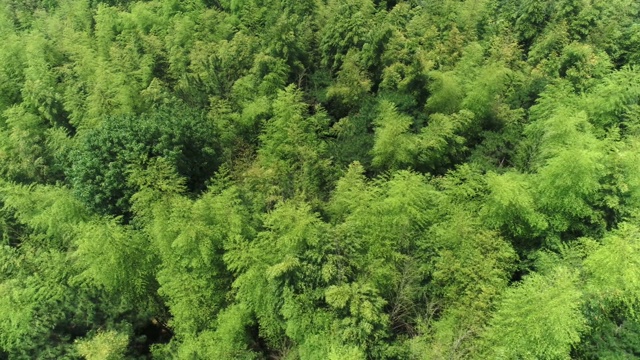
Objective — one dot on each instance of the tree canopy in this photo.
(311, 180)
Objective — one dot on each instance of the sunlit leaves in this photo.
(613, 268)
(11, 72)
(109, 345)
(126, 253)
(291, 160)
(539, 319)
(23, 146)
(394, 147)
(341, 179)
(511, 206)
(40, 90)
(191, 272)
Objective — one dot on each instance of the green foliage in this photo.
(612, 335)
(291, 160)
(511, 206)
(47, 302)
(191, 274)
(126, 253)
(472, 268)
(446, 93)
(347, 23)
(394, 146)
(39, 91)
(126, 143)
(540, 319)
(11, 71)
(441, 142)
(341, 179)
(107, 345)
(352, 84)
(612, 268)
(27, 158)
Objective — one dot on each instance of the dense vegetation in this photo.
(320, 179)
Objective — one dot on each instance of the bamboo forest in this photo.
(320, 179)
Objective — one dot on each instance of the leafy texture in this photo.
(312, 180)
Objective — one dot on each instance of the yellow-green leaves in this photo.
(511, 206)
(319, 179)
(109, 345)
(539, 319)
(395, 146)
(291, 160)
(613, 270)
